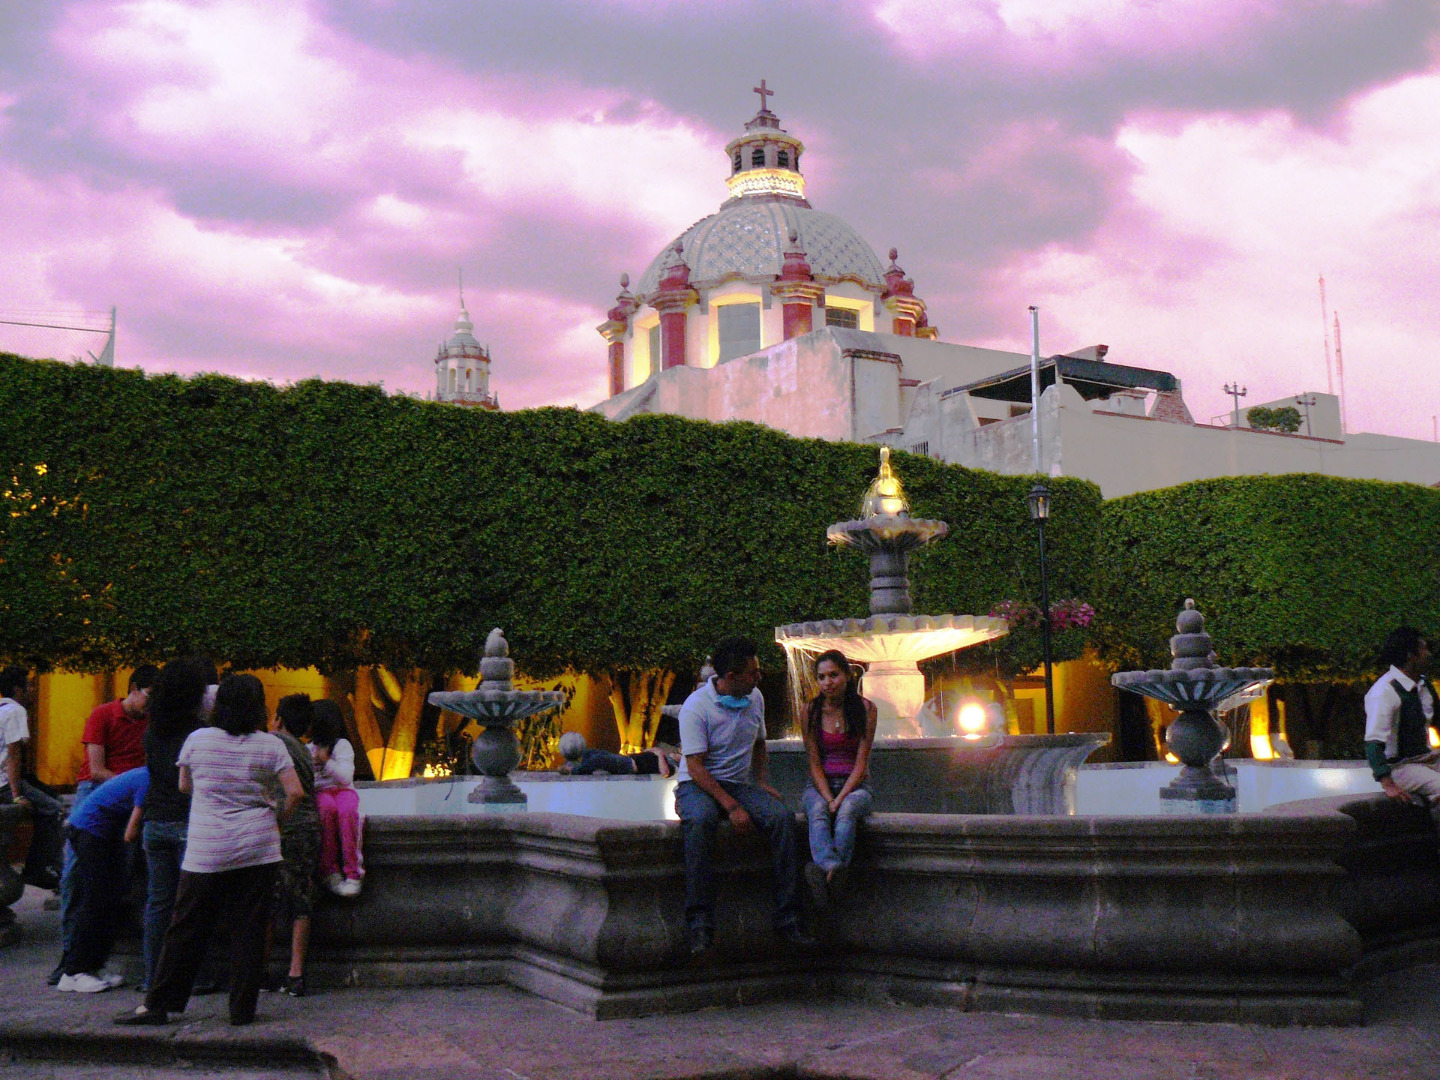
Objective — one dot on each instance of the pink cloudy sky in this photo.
(282, 190)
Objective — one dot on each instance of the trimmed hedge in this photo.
(328, 524)
(1304, 573)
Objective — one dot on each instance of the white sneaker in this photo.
(333, 883)
(113, 979)
(348, 887)
(83, 983)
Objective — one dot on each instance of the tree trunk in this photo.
(399, 757)
(362, 704)
(636, 698)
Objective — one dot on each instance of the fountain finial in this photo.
(885, 496)
(495, 644)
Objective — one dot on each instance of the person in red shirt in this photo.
(114, 735)
(114, 741)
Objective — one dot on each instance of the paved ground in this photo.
(501, 1034)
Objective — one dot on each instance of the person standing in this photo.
(232, 852)
(114, 743)
(299, 839)
(1399, 708)
(99, 830)
(722, 741)
(175, 711)
(42, 862)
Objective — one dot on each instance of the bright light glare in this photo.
(972, 720)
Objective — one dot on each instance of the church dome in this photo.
(749, 236)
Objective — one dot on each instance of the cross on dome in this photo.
(764, 94)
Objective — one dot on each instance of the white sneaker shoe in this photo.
(333, 883)
(348, 887)
(83, 983)
(113, 979)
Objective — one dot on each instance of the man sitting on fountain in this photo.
(722, 732)
(580, 760)
(1398, 709)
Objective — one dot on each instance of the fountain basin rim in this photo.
(1197, 688)
(887, 527)
(497, 706)
(892, 638)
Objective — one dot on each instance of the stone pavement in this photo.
(495, 1033)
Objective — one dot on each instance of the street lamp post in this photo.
(1306, 400)
(1039, 500)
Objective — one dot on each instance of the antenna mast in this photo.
(1340, 372)
(1325, 330)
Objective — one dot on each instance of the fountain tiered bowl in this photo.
(497, 708)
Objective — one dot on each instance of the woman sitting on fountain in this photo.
(581, 761)
(839, 732)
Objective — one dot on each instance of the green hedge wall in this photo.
(329, 524)
(1303, 573)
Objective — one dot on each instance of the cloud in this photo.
(287, 189)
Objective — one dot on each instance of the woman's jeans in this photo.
(164, 851)
(833, 846)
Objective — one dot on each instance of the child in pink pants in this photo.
(337, 801)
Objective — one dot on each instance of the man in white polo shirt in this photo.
(722, 734)
(1399, 709)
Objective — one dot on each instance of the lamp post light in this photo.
(1039, 500)
(1306, 400)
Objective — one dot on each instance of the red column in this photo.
(672, 339)
(617, 367)
(798, 319)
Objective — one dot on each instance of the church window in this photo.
(797, 160)
(654, 348)
(757, 157)
(737, 162)
(845, 318)
(739, 330)
(783, 159)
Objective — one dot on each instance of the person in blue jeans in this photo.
(722, 736)
(839, 733)
(98, 832)
(176, 709)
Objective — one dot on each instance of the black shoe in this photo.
(295, 985)
(47, 880)
(702, 939)
(241, 1021)
(839, 881)
(142, 1017)
(794, 936)
(53, 979)
(818, 886)
(272, 984)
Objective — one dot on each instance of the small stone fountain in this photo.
(1196, 687)
(892, 641)
(497, 707)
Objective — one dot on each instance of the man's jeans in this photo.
(68, 909)
(700, 815)
(47, 818)
(593, 760)
(833, 848)
(164, 852)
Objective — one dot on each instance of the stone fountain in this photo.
(994, 773)
(497, 707)
(1196, 687)
(892, 641)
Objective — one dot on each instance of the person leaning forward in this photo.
(722, 734)
(1399, 708)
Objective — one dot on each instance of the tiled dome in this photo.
(747, 239)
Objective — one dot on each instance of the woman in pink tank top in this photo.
(839, 732)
